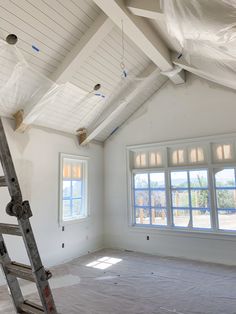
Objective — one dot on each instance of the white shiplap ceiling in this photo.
(55, 27)
(103, 67)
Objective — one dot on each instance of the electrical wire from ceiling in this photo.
(122, 63)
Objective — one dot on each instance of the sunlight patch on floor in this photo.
(104, 262)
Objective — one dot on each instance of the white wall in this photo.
(36, 157)
(198, 108)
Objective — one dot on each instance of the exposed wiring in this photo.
(122, 63)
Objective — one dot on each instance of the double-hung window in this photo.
(73, 188)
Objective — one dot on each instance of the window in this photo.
(223, 152)
(151, 159)
(140, 160)
(150, 198)
(73, 188)
(196, 155)
(155, 159)
(190, 199)
(226, 198)
(178, 157)
(184, 185)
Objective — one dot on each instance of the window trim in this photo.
(209, 165)
(189, 189)
(85, 160)
(148, 206)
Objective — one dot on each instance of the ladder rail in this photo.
(13, 284)
(37, 267)
(8, 167)
(22, 211)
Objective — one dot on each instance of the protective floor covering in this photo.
(117, 282)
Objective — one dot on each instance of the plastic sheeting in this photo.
(206, 31)
(22, 87)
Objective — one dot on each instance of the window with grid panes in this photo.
(225, 187)
(150, 198)
(189, 186)
(73, 188)
(190, 199)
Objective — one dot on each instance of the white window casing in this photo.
(193, 156)
(73, 189)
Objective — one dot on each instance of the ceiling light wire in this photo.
(122, 63)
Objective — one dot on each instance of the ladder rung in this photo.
(3, 181)
(31, 308)
(10, 229)
(20, 271)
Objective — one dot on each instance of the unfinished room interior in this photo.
(118, 156)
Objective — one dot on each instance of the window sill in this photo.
(181, 232)
(73, 221)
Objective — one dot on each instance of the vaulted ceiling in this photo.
(65, 48)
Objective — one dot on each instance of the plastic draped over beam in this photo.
(24, 88)
(206, 31)
(43, 101)
(20, 85)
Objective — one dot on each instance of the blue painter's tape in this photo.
(100, 95)
(35, 48)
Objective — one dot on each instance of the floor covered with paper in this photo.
(118, 282)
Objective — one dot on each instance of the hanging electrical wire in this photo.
(122, 63)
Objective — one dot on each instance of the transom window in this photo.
(184, 186)
(73, 188)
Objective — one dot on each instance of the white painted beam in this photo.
(142, 34)
(72, 62)
(105, 122)
(83, 49)
(126, 96)
(149, 8)
(210, 76)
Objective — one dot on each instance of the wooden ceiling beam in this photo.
(142, 34)
(71, 64)
(83, 49)
(149, 8)
(126, 96)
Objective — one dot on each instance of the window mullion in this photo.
(168, 199)
(149, 203)
(133, 219)
(212, 201)
(71, 196)
(190, 203)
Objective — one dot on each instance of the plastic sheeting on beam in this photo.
(206, 31)
(44, 102)
(24, 88)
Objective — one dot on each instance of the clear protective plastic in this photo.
(206, 31)
(20, 85)
(44, 102)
